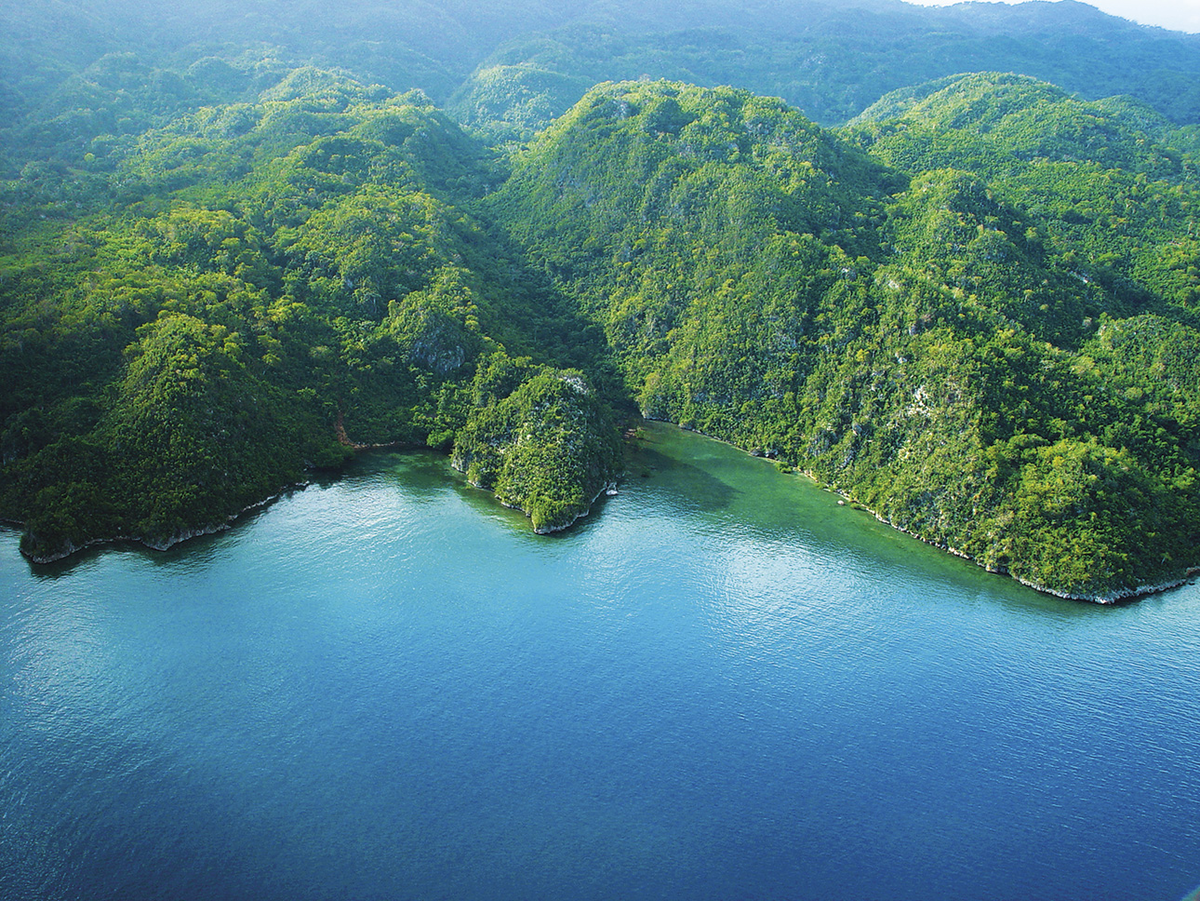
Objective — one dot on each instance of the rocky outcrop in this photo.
(549, 449)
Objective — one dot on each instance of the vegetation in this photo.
(831, 60)
(74, 72)
(547, 448)
(974, 308)
(259, 288)
(937, 349)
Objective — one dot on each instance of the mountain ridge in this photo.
(974, 309)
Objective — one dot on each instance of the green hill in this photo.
(833, 60)
(226, 262)
(1114, 200)
(909, 337)
(104, 67)
(258, 288)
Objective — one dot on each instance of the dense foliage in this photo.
(225, 263)
(263, 280)
(940, 351)
(547, 448)
(832, 59)
(72, 72)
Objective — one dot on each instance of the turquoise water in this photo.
(723, 686)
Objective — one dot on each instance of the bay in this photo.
(721, 684)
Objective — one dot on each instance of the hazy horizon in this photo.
(1176, 15)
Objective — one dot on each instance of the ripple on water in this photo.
(724, 685)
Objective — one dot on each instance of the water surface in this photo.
(723, 685)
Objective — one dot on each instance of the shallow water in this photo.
(719, 685)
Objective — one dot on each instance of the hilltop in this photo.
(960, 357)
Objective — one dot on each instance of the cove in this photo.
(719, 685)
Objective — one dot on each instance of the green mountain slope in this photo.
(912, 339)
(66, 68)
(1114, 201)
(546, 448)
(833, 59)
(260, 287)
(974, 309)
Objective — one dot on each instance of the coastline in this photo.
(1107, 599)
(604, 490)
(608, 486)
(163, 544)
(158, 544)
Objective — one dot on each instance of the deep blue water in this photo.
(719, 686)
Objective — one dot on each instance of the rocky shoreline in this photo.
(609, 488)
(1105, 599)
(163, 544)
(159, 544)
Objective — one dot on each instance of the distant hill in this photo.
(512, 66)
(833, 60)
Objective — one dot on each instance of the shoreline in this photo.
(604, 491)
(163, 544)
(1105, 600)
(606, 488)
(157, 544)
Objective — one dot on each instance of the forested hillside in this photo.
(832, 60)
(229, 257)
(258, 288)
(74, 71)
(959, 358)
